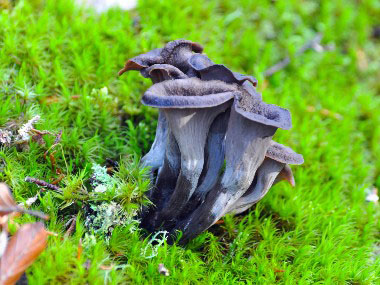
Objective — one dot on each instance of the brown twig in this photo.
(59, 179)
(24, 211)
(57, 140)
(42, 132)
(313, 43)
(52, 160)
(70, 230)
(42, 183)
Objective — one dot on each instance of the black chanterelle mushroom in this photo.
(190, 106)
(275, 167)
(175, 53)
(214, 160)
(250, 131)
(157, 73)
(211, 156)
(165, 183)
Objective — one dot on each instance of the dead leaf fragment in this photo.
(3, 242)
(163, 270)
(23, 248)
(6, 199)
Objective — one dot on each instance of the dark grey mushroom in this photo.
(157, 73)
(175, 53)
(286, 174)
(143, 60)
(248, 137)
(275, 166)
(214, 160)
(198, 133)
(155, 157)
(162, 72)
(165, 183)
(208, 70)
(199, 62)
(190, 106)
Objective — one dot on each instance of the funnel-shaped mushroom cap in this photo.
(178, 52)
(222, 73)
(286, 174)
(199, 62)
(175, 53)
(247, 86)
(143, 60)
(210, 71)
(283, 154)
(254, 109)
(162, 72)
(189, 93)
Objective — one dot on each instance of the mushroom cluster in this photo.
(213, 152)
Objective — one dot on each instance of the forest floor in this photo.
(60, 62)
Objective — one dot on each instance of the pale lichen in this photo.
(155, 242)
(101, 180)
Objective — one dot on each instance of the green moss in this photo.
(60, 62)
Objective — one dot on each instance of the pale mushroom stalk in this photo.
(274, 169)
(248, 137)
(190, 128)
(266, 175)
(190, 107)
(214, 157)
(155, 157)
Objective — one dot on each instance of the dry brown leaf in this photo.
(3, 242)
(70, 230)
(6, 199)
(23, 248)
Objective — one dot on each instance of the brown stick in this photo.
(42, 183)
(25, 211)
(283, 63)
(70, 230)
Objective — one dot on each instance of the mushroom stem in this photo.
(274, 169)
(155, 157)
(246, 145)
(214, 157)
(165, 183)
(265, 177)
(190, 128)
